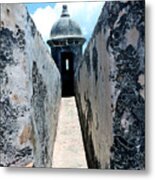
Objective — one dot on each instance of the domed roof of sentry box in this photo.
(65, 27)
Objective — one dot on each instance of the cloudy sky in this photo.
(84, 13)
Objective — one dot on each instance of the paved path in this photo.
(68, 149)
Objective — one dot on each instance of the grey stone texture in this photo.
(30, 92)
(110, 88)
(65, 27)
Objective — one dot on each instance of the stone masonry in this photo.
(30, 92)
(110, 88)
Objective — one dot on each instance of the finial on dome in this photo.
(64, 11)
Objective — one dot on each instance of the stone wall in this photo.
(110, 88)
(30, 92)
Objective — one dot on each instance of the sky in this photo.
(84, 13)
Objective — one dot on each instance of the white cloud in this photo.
(44, 18)
(84, 13)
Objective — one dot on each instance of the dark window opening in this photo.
(67, 74)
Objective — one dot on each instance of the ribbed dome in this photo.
(65, 27)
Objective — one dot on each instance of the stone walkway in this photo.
(68, 149)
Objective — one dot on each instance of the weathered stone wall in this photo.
(30, 92)
(110, 88)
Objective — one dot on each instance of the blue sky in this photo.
(32, 7)
(84, 13)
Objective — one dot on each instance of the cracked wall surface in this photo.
(110, 88)
(30, 92)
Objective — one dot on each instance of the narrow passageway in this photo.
(68, 148)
